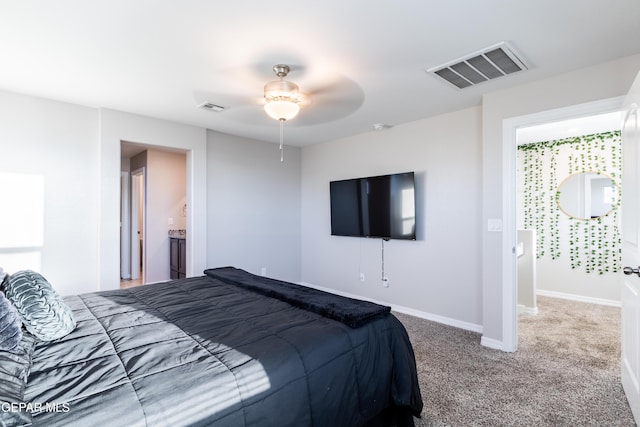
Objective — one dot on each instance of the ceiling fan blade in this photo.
(330, 102)
(326, 95)
(253, 115)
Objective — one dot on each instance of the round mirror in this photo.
(587, 195)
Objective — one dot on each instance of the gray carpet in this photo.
(566, 371)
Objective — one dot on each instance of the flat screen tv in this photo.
(376, 206)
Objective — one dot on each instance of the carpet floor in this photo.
(566, 371)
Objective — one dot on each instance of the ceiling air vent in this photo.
(487, 64)
(209, 106)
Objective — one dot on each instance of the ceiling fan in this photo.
(327, 96)
(282, 100)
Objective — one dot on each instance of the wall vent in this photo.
(210, 106)
(487, 64)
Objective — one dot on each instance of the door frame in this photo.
(125, 225)
(138, 193)
(509, 181)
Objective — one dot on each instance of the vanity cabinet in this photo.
(178, 257)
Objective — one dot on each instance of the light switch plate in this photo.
(494, 224)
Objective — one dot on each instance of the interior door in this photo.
(138, 224)
(631, 251)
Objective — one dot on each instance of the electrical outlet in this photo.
(385, 282)
(263, 271)
(362, 277)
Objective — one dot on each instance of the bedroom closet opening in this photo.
(153, 209)
(567, 199)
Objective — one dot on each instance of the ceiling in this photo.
(363, 61)
(570, 128)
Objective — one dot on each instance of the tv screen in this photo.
(376, 206)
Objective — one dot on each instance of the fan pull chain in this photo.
(281, 139)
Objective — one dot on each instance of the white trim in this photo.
(509, 239)
(509, 150)
(491, 343)
(125, 225)
(579, 298)
(531, 311)
(405, 310)
(435, 318)
(138, 191)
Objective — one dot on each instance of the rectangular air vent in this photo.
(487, 64)
(209, 106)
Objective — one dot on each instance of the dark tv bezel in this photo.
(412, 237)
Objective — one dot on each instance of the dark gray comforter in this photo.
(200, 351)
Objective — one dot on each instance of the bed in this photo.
(225, 349)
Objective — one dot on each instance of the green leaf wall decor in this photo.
(594, 244)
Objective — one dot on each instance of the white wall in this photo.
(436, 276)
(77, 152)
(59, 143)
(253, 205)
(116, 126)
(455, 155)
(591, 84)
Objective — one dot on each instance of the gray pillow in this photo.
(10, 325)
(14, 370)
(42, 310)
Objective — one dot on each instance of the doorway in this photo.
(132, 228)
(567, 196)
(157, 198)
(510, 128)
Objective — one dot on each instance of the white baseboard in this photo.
(437, 318)
(491, 343)
(522, 309)
(580, 298)
(405, 310)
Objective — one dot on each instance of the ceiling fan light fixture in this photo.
(281, 89)
(281, 99)
(282, 109)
